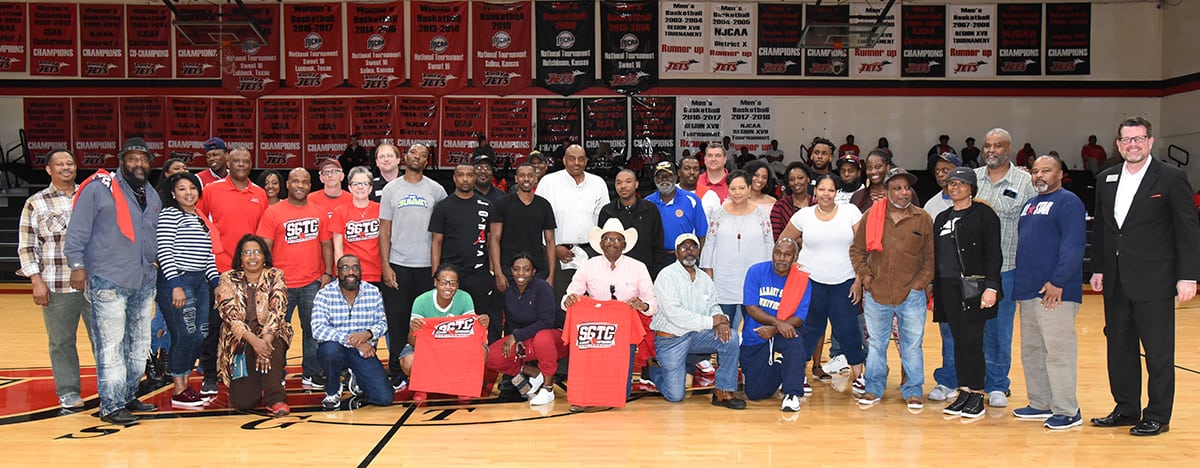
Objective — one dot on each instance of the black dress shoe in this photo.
(140, 407)
(729, 401)
(1149, 428)
(121, 416)
(1114, 419)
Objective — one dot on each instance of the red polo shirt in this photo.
(234, 212)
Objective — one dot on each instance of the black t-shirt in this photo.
(463, 223)
(945, 252)
(522, 230)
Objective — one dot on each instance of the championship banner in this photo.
(101, 41)
(145, 117)
(97, 130)
(326, 129)
(729, 49)
(826, 62)
(923, 41)
(558, 120)
(252, 69)
(417, 122)
(372, 120)
(148, 35)
(313, 46)
(376, 38)
(683, 40)
(510, 130)
(1019, 46)
(53, 39)
(501, 41)
(12, 37)
(1068, 38)
(439, 47)
(463, 120)
(881, 61)
(653, 121)
(751, 123)
(779, 29)
(449, 355)
(629, 41)
(972, 41)
(280, 134)
(195, 61)
(605, 129)
(699, 121)
(47, 127)
(235, 122)
(566, 46)
(188, 126)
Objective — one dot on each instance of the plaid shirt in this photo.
(1006, 198)
(43, 234)
(334, 319)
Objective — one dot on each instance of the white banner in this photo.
(700, 120)
(731, 48)
(883, 60)
(683, 39)
(972, 39)
(750, 123)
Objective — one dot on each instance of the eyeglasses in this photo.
(331, 171)
(360, 184)
(349, 268)
(612, 291)
(249, 252)
(1137, 139)
(450, 283)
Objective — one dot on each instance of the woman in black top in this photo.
(530, 315)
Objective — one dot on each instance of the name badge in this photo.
(1111, 178)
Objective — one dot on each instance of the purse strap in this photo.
(962, 269)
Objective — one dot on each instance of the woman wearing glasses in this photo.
(444, 300)
(355, 227)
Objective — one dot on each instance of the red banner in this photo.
(439, 47)
(313, 46)
(148, 34)
(144, 117)
(194, 61)
(46, 127)
(376, 39)
(96, 132)
(101, 41)
(53, 38)
(373, 120)
(417, 121)
(510, 130)
(326, 128)
(12, 37)
(463, 121)
(502, 47)
(233, 121)
(280, 133)
(252, 69)
(187, 128)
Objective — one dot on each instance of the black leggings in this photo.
(966, 326)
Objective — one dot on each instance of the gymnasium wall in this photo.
(1181, 64)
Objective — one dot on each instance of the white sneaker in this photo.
(528, 386)
(705, 367)
(859, 386)
(331, 402)
(942, 393)
(807, 388)
(837, 365)
(791, 404)
(544, 396)
(535, 384)
(71, 401)
(997, 399)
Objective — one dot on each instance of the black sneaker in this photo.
(974, 407)
(352, 383)
(955, 409)
(315, 382)
(139, 406)
(121, 416)
(209, 386)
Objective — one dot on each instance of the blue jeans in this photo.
(189, 324)
(764, 375)
(911, 315)
(671, 375)
(997, 338)
(120, 339)
(372, 379)
(945, 375)
(302, 299)
(832, 302)
(160, 337)
(735, 312)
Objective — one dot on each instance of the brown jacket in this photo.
(270, 305)
(906, 259)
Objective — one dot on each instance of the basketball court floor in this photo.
(830, 429)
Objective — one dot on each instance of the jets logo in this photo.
(682, 65)
(185, 156)
(631, 79)
(98, 69)
(595, 335)
(251, 84)
(727, 66)
(277, 159)
(562, 78)
(971, 67)
(777, 67)
(435, 80)
(51, 68)
(498, 78)
(194, 69)
(873, 67)
(6, 63)
(310, 80)
(1062, 66)
(146, 69)
(377, 81)
(1015, 66)
(834, 67)
(920, 68)
(461, 328)
(96, 159)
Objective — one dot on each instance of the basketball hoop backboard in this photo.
(211, 33)
(841, 36)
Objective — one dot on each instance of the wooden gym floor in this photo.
(830, 429)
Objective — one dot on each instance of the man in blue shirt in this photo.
(769, 329)
(680, 210)
(347, 320)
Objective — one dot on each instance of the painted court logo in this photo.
(596, 335)
(461, 328)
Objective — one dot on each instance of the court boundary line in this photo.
(383, 442)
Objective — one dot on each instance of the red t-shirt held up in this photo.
(449, 355)
(599, 335)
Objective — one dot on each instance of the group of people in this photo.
(709, 263)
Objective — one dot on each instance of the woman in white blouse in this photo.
(739, 235)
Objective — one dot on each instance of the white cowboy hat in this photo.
(612, 225)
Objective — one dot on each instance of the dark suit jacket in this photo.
(978, 234)
(1159, 243)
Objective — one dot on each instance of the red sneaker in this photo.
(279, 409)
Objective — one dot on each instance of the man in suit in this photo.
(1147, 240)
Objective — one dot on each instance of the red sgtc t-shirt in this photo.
(359, 228)
(448, 356)
(599, 335)
(330, 204)
(297, 233)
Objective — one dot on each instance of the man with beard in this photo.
(215, 152)
(459, 226)
(680, 210)
(485, 181)
(1005, 188)
(850, 172)
(820, 157)
(639, 214)
(576, 197)
(348, 319)
(945, 376)
(110, 248)
(387, 160)
(689, 174)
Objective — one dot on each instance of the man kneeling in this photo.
(347, 320)
(776, 298)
